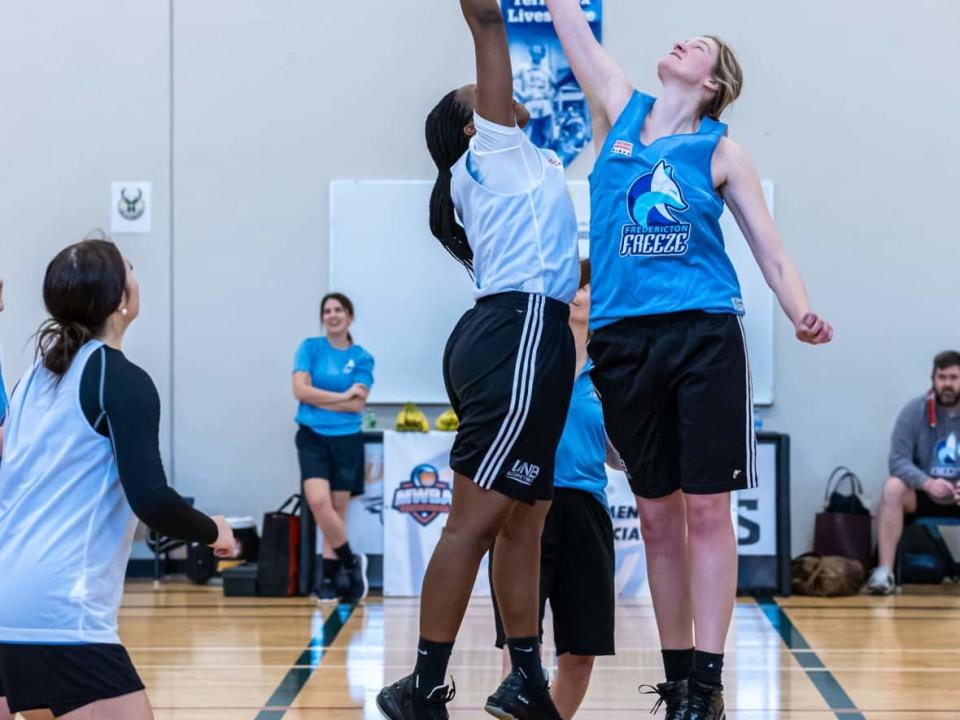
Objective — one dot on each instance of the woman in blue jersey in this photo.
(332, 377)
(81, 463)
(668, 343)
(501, 206)
(577, 560)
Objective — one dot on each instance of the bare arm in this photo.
(305, 392)
(740, 185)
(353, 400)
(614, 461)
(353, 405)
(494, 74)
(357, 402)
(602, 79)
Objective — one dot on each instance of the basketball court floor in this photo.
(206, 657)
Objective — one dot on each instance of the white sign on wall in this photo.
(131, 206)
(630, 580)
(757, 507)
(417, 495)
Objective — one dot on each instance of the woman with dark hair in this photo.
(332, 377)
(81, 463)
(502, 207)
(668, 343)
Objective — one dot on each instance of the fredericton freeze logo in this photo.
(651, 203)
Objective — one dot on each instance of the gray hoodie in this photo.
(918, 451)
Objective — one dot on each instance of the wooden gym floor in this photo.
(206, 657)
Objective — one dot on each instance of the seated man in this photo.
(924, 465)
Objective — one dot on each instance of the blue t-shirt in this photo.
(655, 240)
(332, 370)
(582, 453)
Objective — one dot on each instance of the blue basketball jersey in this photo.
(655, 240)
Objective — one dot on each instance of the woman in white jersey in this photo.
(668, 342)
(81, 462)
(502, 207)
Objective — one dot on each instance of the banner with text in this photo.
(543, 80)
(417, 494)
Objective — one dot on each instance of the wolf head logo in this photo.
(947, 451)
(654, 197)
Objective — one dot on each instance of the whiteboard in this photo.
(409, 293)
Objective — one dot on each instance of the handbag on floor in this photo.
(278, 564)
(844, 526)
(826, 576)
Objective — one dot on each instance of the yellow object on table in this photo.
(412, 419)
(448, 421)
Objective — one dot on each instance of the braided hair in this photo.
(447, 142)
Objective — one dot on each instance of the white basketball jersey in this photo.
(523, 242)
(66, 527)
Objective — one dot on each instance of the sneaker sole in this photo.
(499, 712)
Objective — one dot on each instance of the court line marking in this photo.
(827, 685)
(305, 665)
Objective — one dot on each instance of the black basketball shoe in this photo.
(398, 702)
(325, 591)
(357, 579)
(704, 702)
(672, 695)
(515, 699)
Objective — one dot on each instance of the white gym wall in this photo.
(272, 100)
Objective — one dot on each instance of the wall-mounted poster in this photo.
(543, 80)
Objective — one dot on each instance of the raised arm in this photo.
(601, 78)
(494, 74)
(739, 182)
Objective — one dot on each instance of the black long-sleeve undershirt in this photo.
(130, 416)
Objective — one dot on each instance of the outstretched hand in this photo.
(814, 330)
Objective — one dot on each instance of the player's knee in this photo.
(707, 514)
(661, 524)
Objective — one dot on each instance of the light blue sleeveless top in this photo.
(655, 240)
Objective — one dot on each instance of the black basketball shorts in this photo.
(577, 568)
(677, 401)
(63, 678)
(509, 368)
(339, 459)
